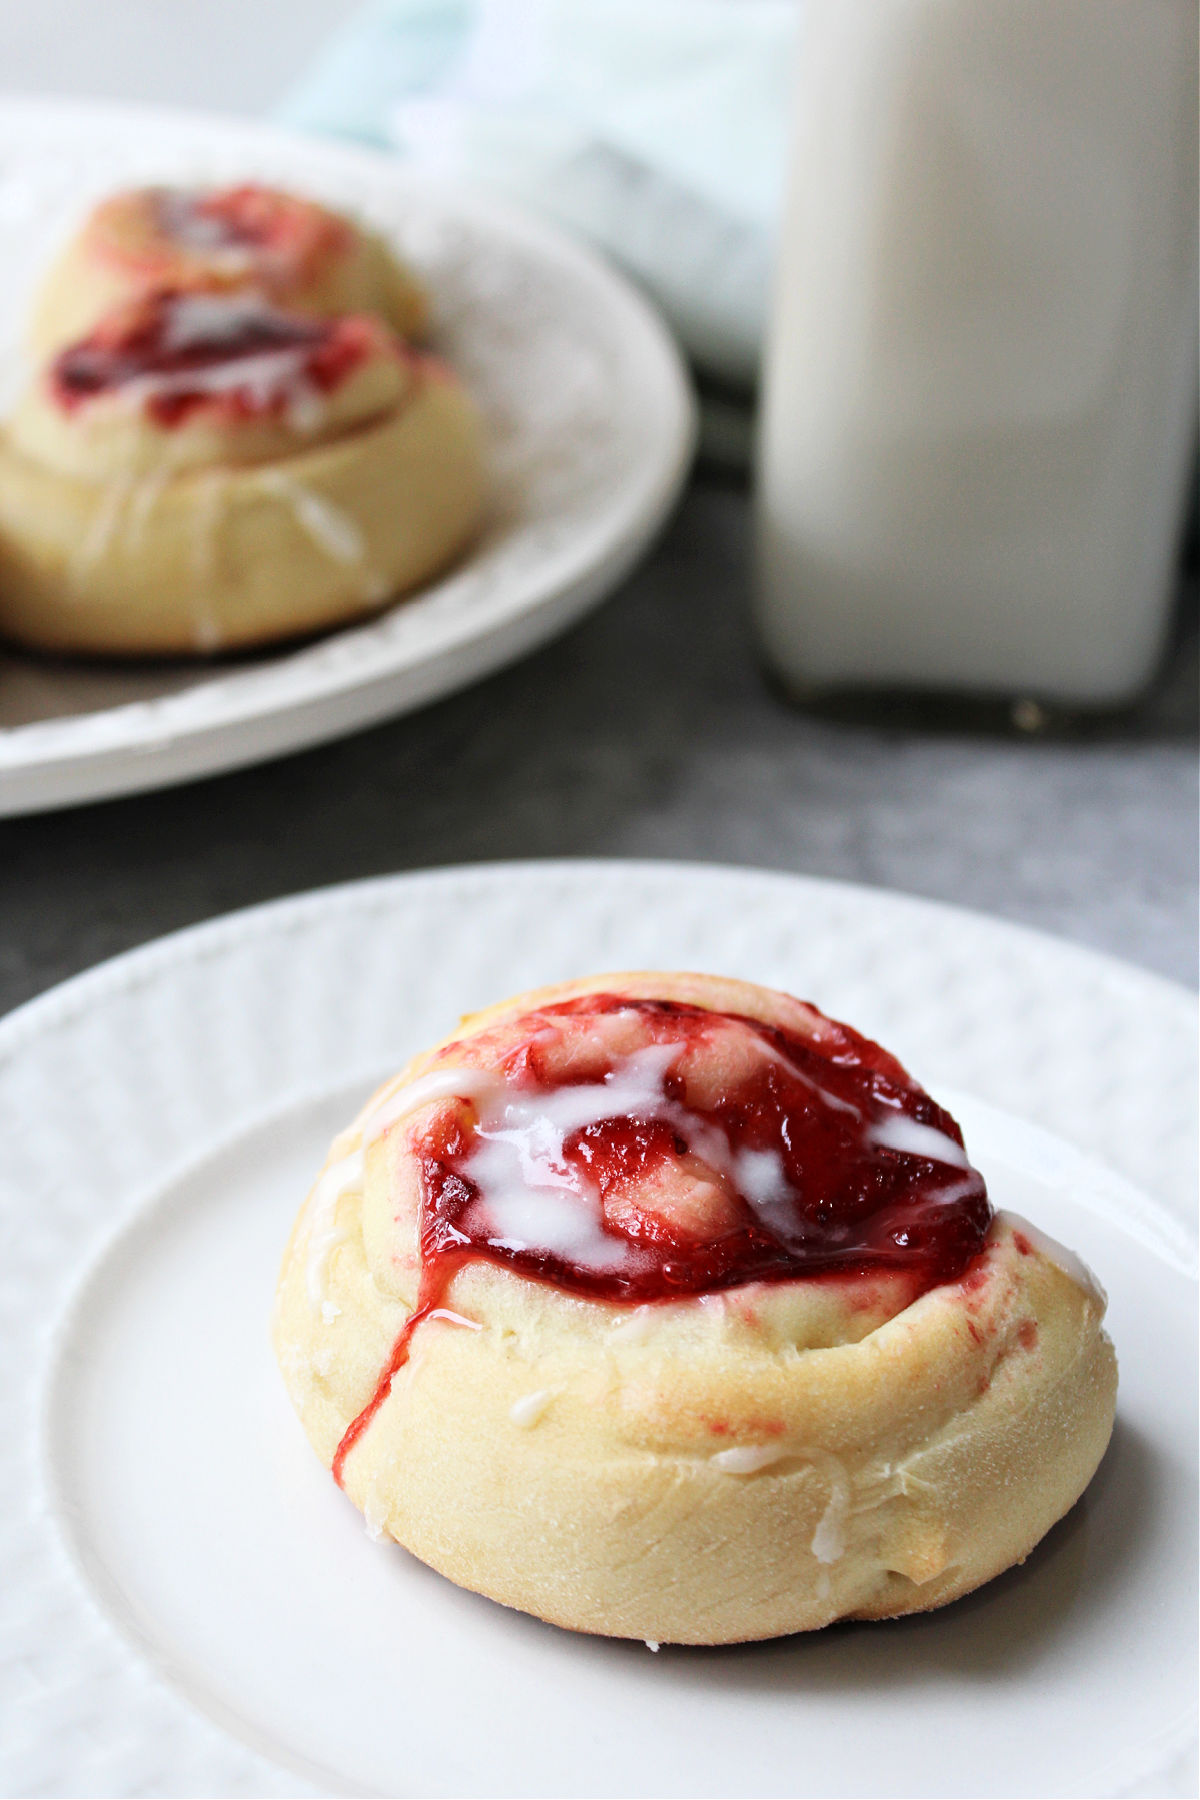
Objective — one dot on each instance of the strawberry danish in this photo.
(664, 1307)
(296, 253)
(206, 471)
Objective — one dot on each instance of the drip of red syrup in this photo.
(142, 340)
(856, 1205)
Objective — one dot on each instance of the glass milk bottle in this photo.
(980, 381)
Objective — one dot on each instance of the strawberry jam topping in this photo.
(181, 350)
(275, 228)
(720, 1151)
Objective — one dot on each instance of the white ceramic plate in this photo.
(590, 426)
(164, 1114)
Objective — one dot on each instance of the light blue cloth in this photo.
(657, 128)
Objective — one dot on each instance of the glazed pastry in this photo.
(664, 1307)
(207, 471)
(299, 254)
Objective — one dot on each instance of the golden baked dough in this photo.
(494, 1375)
(301, 255)
(208, 471)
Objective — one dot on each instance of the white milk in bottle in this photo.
(980, 382)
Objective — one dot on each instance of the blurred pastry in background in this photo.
(208, 470)
(295, 252)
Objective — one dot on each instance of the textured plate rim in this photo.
(129, 968)
(143, 744)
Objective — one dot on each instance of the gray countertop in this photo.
(649, 731)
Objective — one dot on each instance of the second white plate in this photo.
(590, 425)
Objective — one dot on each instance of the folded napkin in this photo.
(657, 128)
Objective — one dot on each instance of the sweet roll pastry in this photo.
(206, 471)
(299, 254)
(664, 1307)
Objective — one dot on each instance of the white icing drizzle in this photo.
(181, 219)
(534, 1200)
(760, 1176)
(829, 1539)
(193, 319)
(439, 1084)
(833, 1101)
(268, 378)
(375, 587)
(206, 632)
(951, 1193)
(899, 1132)
(454, 1318)
(530, 1408)
(324, 1233)
(274, 375)
(144, 499)
(880, 1484)
(346, 1175)
(651, 1644)
(330, 529)
(748, 1459)
(102, 528)
(532, 1197)
(1072, 1266)
(636, 1328)
(305, 406)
